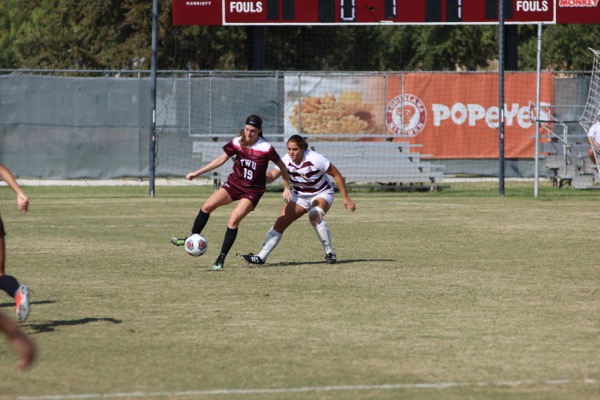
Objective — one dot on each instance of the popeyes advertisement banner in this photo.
(448, 115)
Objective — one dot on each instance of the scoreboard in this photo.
(379, 12)
(361, 12)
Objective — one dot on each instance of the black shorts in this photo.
(2, 233)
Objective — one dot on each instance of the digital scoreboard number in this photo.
(378, 12)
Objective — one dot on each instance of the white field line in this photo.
(308, 389)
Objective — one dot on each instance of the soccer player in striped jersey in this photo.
(246, 184)
(312, 193)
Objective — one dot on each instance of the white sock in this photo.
(324, 236)
(271, 241)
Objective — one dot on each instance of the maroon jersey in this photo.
(250, 164)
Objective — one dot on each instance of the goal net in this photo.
(592, 106)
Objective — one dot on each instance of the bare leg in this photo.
(290, 213)
(20, 342)
(2, 254)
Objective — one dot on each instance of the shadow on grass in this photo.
(352, 261)
(51, 325)
(12, 305)
(297, 263)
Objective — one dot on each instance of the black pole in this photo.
(511, 47)
(256, 47)
(501, 97)
(153, 66)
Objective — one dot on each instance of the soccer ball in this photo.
(196, 245)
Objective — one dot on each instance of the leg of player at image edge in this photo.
(20, 293)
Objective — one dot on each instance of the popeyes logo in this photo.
(406, 115)
(474, 115)
(578, 3)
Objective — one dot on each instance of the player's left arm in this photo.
(341, 184)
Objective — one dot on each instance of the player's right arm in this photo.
(8, 177)
(216, 163)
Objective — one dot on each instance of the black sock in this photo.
(9, 284)
(228, 241)
(200, 222)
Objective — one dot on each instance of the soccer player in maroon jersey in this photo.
(9, 283)
(246, 184)
(312, 193)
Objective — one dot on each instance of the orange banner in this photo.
(457, 115)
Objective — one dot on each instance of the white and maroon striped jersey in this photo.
(310, 175)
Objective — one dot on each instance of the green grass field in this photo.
(459, 294)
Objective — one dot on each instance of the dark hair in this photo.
(299, 140)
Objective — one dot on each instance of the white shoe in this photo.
(22, 303)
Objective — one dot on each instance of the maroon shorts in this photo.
(237, 193)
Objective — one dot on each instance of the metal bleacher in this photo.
(382, 163)
(377, 164)
(564, 154)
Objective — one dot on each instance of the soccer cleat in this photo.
(219, 263)
(22, 303)
(330, 258)
(178, 241)
(252, 259)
